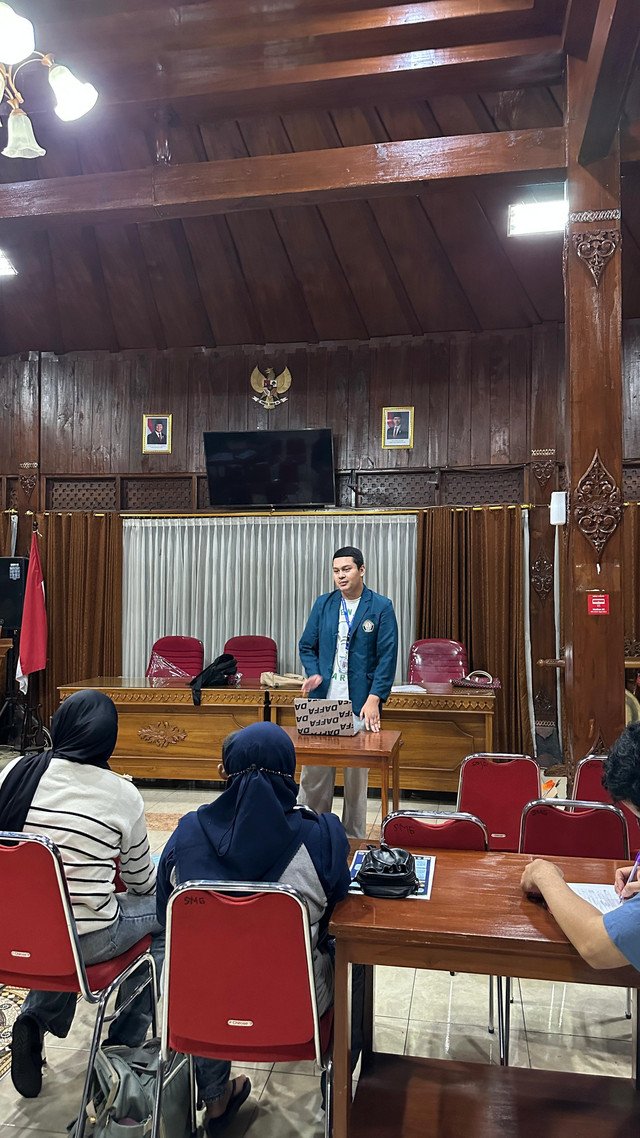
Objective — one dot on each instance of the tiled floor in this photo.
(554, 1026)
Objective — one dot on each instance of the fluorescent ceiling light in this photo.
(537, 217)
(7, 268)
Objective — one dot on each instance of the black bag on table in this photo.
(215, 675)
(387, 872)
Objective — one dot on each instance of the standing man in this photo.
(348, 649)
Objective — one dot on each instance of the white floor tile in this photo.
(289, 1107)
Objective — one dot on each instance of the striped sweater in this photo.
(94, 816)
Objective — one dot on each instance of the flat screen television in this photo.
(270, 468)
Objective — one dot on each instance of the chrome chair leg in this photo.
(491, 1024)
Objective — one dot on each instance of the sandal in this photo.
(215, 1125)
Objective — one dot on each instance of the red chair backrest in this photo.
(436, 661)
(596, 830)
(497, 794)
(175, 656)
(35, 944)
(428, 829)
(238, 977)
(588, 785)
(255, 654)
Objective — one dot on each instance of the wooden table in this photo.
(162, 734)
(440, 727)
(479, 921)
(373, 749)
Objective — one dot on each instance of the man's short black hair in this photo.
(621, 768)
(350, 551)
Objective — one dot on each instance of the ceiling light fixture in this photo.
(73, 98)
(7, 268)
(537, 217)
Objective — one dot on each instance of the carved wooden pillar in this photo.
(547, 399)
(594, 673)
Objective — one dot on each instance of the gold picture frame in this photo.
(397, 428)
(150, 433)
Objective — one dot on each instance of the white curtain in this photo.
(220, 577)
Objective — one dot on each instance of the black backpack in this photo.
(215, 675)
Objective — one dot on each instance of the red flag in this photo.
(33, 634)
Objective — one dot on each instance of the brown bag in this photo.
(286, 680)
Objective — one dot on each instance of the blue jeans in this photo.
(54, 1011)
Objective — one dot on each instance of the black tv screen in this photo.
(270, 468)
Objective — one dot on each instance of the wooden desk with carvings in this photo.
(439, 727)
(162, 734)
(478, 921)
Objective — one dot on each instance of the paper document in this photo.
(407, 687)
(604, 897)
(424, 872)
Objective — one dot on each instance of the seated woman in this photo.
(255, 832)
(94, 816)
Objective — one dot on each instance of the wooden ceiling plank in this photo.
(175, 285)
(267, 181)
(579, 22)
(224, 289)
(610, 67)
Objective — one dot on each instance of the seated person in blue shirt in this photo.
(612, 940)
(255, 832)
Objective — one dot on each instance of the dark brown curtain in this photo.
(470, 590)
(81, 558)
(5, 534)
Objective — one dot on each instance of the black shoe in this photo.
(26, 1056)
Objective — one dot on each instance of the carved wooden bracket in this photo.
(543, 709)
(631, 647)
(597, 504)
(596, 248)
(542, 575)
(28, 482)
(543, 471)
(162, 734)
(598, 747)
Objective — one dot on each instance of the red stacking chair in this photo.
(176, 656)
(432, 829)
(261, 1007)
(588, 785)
(255, 654)
(497, 792)
(570, 827)
(39, 944)
(436, 661)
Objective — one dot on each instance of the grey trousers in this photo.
(316, 791)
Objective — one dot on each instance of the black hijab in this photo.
(83, 730)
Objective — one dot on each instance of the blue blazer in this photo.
(373, 650)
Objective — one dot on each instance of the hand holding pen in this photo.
(626, 883)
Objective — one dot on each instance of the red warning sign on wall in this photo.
(598, 604)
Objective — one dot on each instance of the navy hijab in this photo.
(251, 832)
(83, 730)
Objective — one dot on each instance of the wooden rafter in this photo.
(611, 62)
(269, 181)
(200, 91)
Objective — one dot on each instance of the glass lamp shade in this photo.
(21, 141)
(74, 98)
(17, 37)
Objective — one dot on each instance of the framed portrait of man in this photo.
(156, 434)
(397, 428)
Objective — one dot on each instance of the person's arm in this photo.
(581, 922)
(309, 643)
(164, 886)
(387, 653)
(137, 869)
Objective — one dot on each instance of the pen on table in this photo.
(633, 875)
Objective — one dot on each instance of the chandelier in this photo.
(17, 49)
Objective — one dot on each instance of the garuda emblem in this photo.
(270, 387)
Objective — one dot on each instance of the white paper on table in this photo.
(604, 897)
(407, 688)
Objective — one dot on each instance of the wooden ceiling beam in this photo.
(270, 181)
(579, 22)
(195, 89)
(113, 39)
(610, 67)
